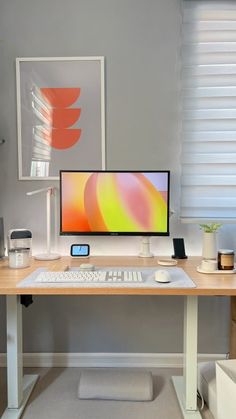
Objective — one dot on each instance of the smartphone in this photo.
(79, 250)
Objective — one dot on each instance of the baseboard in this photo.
(122, 360)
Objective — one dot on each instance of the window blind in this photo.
(208, 181)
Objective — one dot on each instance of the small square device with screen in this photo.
(79, 250)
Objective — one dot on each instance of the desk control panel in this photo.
(68, 277)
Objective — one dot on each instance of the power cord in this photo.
(200, 396)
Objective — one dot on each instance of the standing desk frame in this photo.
(19, 388)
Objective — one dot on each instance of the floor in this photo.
(55, 397)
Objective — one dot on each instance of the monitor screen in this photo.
(114, 202)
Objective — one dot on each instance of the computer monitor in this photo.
(114, 203)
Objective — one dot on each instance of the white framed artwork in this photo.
(60, 115)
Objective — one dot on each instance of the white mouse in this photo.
(162, 275)
(87, 267)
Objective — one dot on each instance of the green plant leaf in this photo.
(210, 228)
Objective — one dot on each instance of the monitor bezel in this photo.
(116, 233)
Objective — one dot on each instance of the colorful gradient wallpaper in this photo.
(114, 202)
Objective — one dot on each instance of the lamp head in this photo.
(50, 188)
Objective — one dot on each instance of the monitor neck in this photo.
(145, 247)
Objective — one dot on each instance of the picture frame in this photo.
(60, 115)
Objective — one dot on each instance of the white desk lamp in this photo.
(48, 255)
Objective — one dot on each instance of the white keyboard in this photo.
(90, 277)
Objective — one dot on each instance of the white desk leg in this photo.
(186, 386)
(14, 352)
(19, 388)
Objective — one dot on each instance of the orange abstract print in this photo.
(60, 97)
(60, 100)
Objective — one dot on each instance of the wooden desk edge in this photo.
(206, 284)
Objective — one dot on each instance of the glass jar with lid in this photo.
(225, 259)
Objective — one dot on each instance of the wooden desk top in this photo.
(206, 284)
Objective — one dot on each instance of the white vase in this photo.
(209, 248)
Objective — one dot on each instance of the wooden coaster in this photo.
(167, 262)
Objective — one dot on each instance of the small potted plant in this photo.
(210, 228)
(209, 248)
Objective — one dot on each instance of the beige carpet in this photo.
(55, 397)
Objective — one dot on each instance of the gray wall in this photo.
(140, 40)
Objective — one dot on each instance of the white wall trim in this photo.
(89, 360)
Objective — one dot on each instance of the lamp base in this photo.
(47, 256)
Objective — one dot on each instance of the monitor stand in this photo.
(145, 248)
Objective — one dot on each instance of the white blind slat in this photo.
(205, 147)
(191, 36)
(210, 125)
(210, 14)
(209, 180)
(212, 58)
(208, 160)
(216, 91)
(210, 114)
(208, 47)
(206, 136)
(209, 103)
(208, 169)
(198, 158)
(217, 202)
(216, 80)
(209, 26)
(213, 69)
